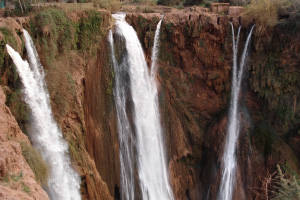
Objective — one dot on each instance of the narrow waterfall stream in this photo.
(147, 131)
(63, 181)
(229, 157)
(155, 50)
(126, 140)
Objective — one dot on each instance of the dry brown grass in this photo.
(112, 5)
(264, 13)
(36, 163)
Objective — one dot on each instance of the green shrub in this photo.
(26, 7)
(288, 186)
(36, 163)
(8, 38)
(179, 7)
(90, 29)
(25, 188)
(111, 5)
(54, 32)
(264, 13)
(170, 2)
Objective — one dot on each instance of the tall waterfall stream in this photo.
(145, 135)
(63, 181)
(229, 157)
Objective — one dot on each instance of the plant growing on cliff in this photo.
(90, 30)
(112, 5)
(36, 163)
(8, 38)
(54, 32)
(288, 186)
(281, 184)
(264, 13)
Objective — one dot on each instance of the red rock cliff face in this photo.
(71, 85)
(17, 181)
(194, 80)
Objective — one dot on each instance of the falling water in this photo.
(229, 157)
(155, 50)
(151, 162)
(63, 181)
(124, 127)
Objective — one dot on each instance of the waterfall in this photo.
(155, 50)
(63, 181)
(149, 145)
(124, 127)
(229, 157)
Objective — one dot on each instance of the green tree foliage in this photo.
(288, 186)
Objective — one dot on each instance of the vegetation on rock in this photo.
(36, 163)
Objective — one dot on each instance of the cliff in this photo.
(195, 82)
(68, 45)
(194, 79)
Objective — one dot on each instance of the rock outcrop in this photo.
(194, 78)
(17, 181)
(66, 68)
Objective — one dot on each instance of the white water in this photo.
(124, 128)
(229, 157)
(151, 161)
(155, 50)
(63, 181)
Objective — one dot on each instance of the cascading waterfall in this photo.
(125, 132)
(151, 162)
(63, 181)
(229, 157)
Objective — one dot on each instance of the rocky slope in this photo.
(17, 179)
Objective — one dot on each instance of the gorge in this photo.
(147, 106)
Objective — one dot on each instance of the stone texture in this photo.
(235, 11)
(194, 79)
(15, 173)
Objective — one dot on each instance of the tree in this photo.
(288, 186)
(278, 185)
(264, 191)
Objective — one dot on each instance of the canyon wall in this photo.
(69, 49)
(194, 80)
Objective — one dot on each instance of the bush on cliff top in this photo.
(264, 13)
(112, 5)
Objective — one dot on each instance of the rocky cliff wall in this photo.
(195, 81)
(69, 48)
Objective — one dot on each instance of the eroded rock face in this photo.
(65, 78)
(194, 79)
(17, 179)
